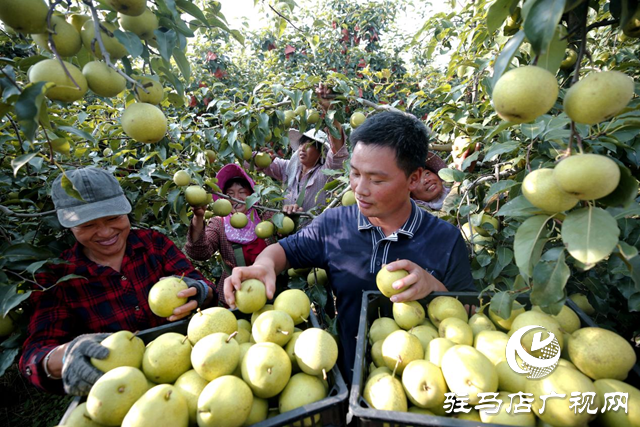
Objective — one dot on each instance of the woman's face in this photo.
(103, 238)
(237, 191)
(308, 154)
(430, 187)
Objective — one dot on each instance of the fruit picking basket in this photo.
(375, 305)
(330, 411)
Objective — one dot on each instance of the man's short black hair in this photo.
(403, 133)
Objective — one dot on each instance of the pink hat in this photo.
(434, 163)
(231, 171)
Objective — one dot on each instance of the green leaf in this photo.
(497, 13)
(252, 200)
(166, 43)
(68, 187)
(634, 270)
(518, 206)
(20, 161)
(28, 108)
(501, 304)
(192, 9)
(7, 357)
(277, 219)
(590, 234)
(79, 132)
(10, 298)
(497, 149)
(499, 187)
(505, 255)
(183, 63)
(504, 58)
(540, 24)
(549, 281)
(626, 191)
(25, 252)
(451, 175)
(528, 243)
(131, 42)
(551, 60)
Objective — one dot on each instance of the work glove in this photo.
(201, 287)
(78, 374)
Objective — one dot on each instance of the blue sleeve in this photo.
(306, 248)
(458, 277)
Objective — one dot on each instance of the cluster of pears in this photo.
(310, 115)
(225, 371)
(420, 354)
(524, 93)
(142, 121)
(575, 178)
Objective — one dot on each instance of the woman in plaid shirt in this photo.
(103, 286)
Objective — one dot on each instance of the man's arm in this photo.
(271, 262)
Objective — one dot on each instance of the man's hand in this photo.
(78, 374)
(240, 274)
(199, 293)
(419, 282)
(325, 95)
(289, 209)
(198, 211)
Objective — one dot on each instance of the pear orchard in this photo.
(225, 371)
(423, 358)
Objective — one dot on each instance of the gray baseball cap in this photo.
(100, 191)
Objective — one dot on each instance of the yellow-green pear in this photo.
(244, 347)
(598, 97)
(316, 351)
(196, 195)
(114, 394)
(386, 278)
(568, 319)
(399, 349)
(619, 418)
(289, 115)
(295, 303)
(379, 370)
(263, 160)
(600, 353)
(254, 316)
(541, 189)
(424, 384)
(301, 390)
(239, 220)
(222, 207)
(348, 198)
(408, 314)
(224, 402)
(443, 307)
(78, 20)
(456, 330)
(505, 324)
(266, 368)
(508, 379)
(265, 229)
(273, 326)
(65, 38)
(167, 357)
(557, 410)
(144, 122)
(287, 226)
(251, 296)
(142, 25)
(25, 16)
(436, 349)
(290, 349)
(587, 176)
(102, 79)
(190, 385)
(376, 354)
(259, 411)
(583, 303)
(215, 355)
(539, 319)
(129, 7)
(566, 363)
(181, 178)
(61, 145)
(472, 415)
(125, 349)
(244, 324)
(524, 93)
(357, 119)
(50, 70)
(480, 322)
(510, 418)
(570, 58)
(381, 328)
(467, 371)
(210, 321)
(164, 404)
(425, 334)
(115, 49)
(79, 417)
(246, 151)
(317, 276)
(163, 298)
(385, 392)
(151, 91)
(492, 344)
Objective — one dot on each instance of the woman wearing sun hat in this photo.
(432, 192)
(236, 246)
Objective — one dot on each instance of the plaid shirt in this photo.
(104, 300)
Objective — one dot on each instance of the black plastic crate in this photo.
(374, 305)
(332, 409)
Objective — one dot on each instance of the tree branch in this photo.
(264, 208)
(9, 212)
(52, 45)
